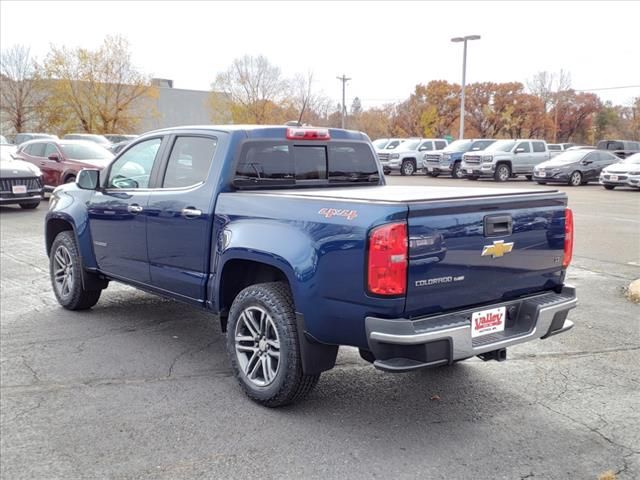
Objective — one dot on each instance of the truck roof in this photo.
(266, 131)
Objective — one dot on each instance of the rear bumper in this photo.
(402, 344)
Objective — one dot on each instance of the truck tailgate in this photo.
(473, 251)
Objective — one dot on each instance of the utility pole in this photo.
(344, 81)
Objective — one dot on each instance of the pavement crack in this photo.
(596, 431)
(30, 368)
(189, 351)
(579, 353)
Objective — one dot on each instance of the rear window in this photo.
(273, 163)
(610, 145)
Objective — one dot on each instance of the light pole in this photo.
(464, 75)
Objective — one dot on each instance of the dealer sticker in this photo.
(485, 322)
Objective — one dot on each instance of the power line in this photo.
(605, 88)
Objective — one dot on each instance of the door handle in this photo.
(190, 212)
(134, 208)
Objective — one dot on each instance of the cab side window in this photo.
(525, 146)
(133, 169)
(538, 146)
(440, 144)
(189, 161)
(426, 146)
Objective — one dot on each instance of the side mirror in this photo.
(586, 162)
(475, 149)
(54, 156)
(88, 179)
(519, 150)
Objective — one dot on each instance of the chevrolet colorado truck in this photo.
(292, 238)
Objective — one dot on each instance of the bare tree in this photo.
(305, 101)
(101, 90)
(552, 89)
(18, 84)
(254, 89)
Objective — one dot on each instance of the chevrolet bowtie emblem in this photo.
(498, 249)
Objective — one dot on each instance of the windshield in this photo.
(458, 146)
(380, 143)
(571, 156)
(393, 144)
(410, 145)
(501, 146)
(77, 151)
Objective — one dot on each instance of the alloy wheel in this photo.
(257, 346)
(63, 271)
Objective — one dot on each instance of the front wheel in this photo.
(502, 173)
(65, 269)
(541, 183)
(609, 187)
(528, 177)
(575, 180)
(408, 168)
(262, 343)
(456, 171)
(30, 205)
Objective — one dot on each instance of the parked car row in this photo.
(106, 141)
(504, 159)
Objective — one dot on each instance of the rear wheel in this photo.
(502, 173)
(70, 179)
(609, 187)
(30, 205)
(456, 172)
(575, 179)
(65, 269)
(262, 343)
(408, 167)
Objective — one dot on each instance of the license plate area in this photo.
(613, 178)
(486, 322)
(469, 170)
(18, 189)
(542, 174)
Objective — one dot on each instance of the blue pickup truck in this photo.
(449, 159)
(292, 238)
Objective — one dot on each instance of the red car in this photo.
(61, 160)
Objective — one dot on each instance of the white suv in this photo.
(409, 156)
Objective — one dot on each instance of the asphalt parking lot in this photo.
(140, 387)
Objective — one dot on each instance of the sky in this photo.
(385, 47)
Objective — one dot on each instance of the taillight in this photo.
(568, 237)
(308, 134)
(387, 262)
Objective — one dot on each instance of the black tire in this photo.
(541, 183)
(472, 178)
(502, 173)
(456, 172)
(70, 179)
(408, 167)
(609, 187)
(30, 205)
(74, 297)
(528, 177)
(289, 383)
(435, 174)
(575, 179)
